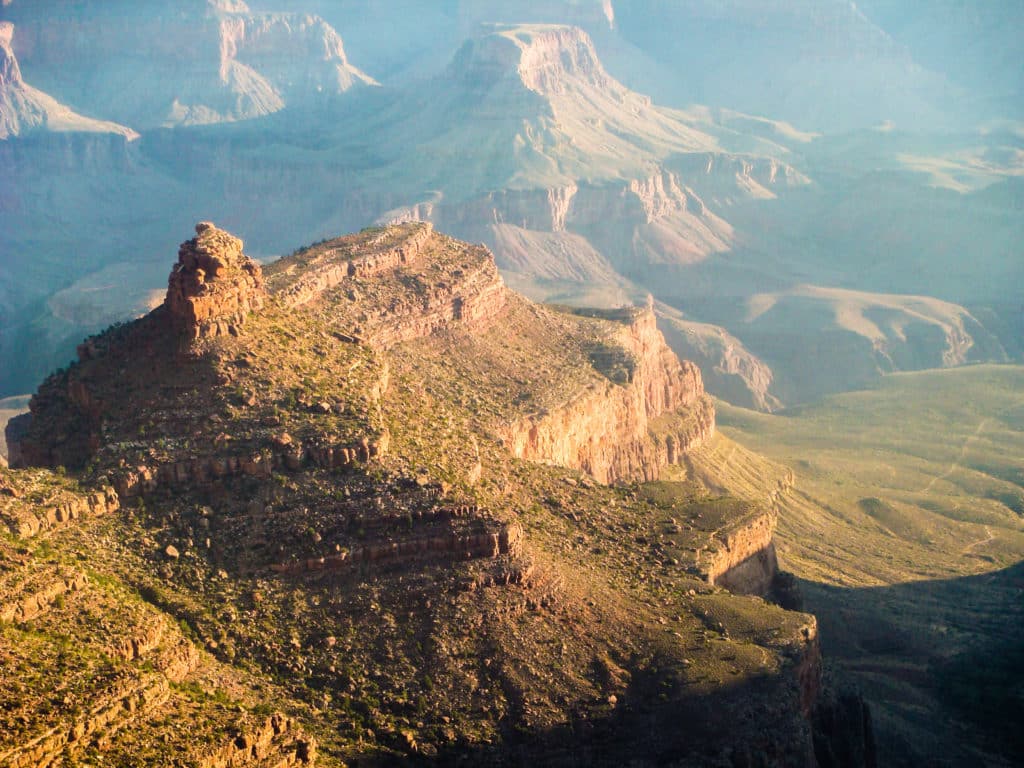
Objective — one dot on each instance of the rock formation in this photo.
(214, 286)
(25, 110)
(606, 431)
(452, 283)
(208, 62)
(325, 484)
(743, 556)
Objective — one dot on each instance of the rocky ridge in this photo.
(423, 594)
(208, 63)
(25, 110)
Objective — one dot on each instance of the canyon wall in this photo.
(147, 67)
(743, 560)
(605, 430)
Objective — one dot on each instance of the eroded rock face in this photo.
(280, 741)
(213, 286)
(24, 109)
(745, 562)
(605, 431)
(329, 274)
(405, 283)
(203, 63)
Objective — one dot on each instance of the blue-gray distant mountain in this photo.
(774, 250)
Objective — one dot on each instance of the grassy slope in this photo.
(906, 525)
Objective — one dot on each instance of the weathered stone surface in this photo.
(280, 742)
(36, 604)
(214, 286)
(605, 431)
(26, 520)
(744, 560)
(291, 456)
(329, 272)
(126, 700)
(443, 283)
(502, 540)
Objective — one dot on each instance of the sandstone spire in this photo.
(214, 286)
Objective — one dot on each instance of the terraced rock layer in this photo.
(320, 501)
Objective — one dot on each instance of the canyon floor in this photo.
(904, 525)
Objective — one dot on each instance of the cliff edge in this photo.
(311, 472)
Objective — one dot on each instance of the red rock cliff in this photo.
(606, 430)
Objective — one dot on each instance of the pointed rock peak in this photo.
(214, 286)
(547, 58)
(10, 73)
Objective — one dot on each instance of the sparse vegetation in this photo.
(904, 529)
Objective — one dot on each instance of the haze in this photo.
(822, 202)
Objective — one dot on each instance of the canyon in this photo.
(602, 196)
(339, 479)
(232, 487)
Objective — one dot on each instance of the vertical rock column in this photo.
(214, 286)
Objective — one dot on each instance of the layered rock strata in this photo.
(124, 700)
(213, 286)
(505, 540)
(744, 559)
(420, 283)
(31, 606)
(27, 520)
(291, 455)
(326, 270)
(605, 431)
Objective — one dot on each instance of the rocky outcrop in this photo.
(125, 699)
(551, 56)
(27, 520)
(14, 432)
(506, 539)
(284, 454)
(214, 286)
(808, 667)
(605, 431)
(742, 558)
(394, 285)
(333, 265)
(679, 432)
(472, 301)
(34, 605)
(279, 742)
